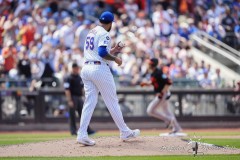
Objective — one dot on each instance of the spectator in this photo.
(163, 33)
(79, 20)
(202, 67)
(39, 19)
(24, 64)
(22, 7)
(176, 70)
(217, 79)
(183, 31)
(1, 32)
(141, 19)
(218, 32)
(161, 20)
(147, 30)
(49, 36)
(136, 76)
(131, 8)
(9, 30)
(27, 33)
(192, 28)
(10, 56)
(77, 55)
(48, 71)
(61, 58)
(193, 72)
(128, 59)
(67, 33)
(88, 7)
(228, 24)
(37, 67)
(205, 81)
(186, 6)
(81, 33)
(237, 33)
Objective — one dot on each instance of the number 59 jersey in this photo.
(98, 36)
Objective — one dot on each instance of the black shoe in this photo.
(91, 132)
(172, 132)
(169, 125)
(74, 134)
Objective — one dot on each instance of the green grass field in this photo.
(28, 137)
(224, 142)
(208, 157)
(20, 138)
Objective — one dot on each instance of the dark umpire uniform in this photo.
(74, 91)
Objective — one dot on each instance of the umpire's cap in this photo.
(106, 17)
(153, 62)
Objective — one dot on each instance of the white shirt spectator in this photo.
(218, 81)
(205, 82)
(193, 72)
(161, 21)
(174, 39)
(81, 33)
(76, 55)
(147, 32)
(67, 35)
(128, 60)
(131, 9)
(220, 9)
(165, 28)
(37, 68)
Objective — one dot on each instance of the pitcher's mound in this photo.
(111, 146)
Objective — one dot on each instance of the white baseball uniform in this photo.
(166, 115)
(98, 78)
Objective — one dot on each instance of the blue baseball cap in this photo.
(106, 17)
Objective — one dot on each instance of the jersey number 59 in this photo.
(90, 43)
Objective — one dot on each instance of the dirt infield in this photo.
(112, 146)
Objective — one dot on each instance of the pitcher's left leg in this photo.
(105, 84)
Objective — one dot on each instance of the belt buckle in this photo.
(93, 62)
(97, 62)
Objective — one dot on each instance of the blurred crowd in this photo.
(39, 40)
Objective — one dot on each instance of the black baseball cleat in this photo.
(169, 125)
(90, 133)
(175, 131)
(74, 134)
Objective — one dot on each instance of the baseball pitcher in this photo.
(97, 77)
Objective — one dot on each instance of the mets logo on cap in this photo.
(106, 17)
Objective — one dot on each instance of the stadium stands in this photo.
(40, 39)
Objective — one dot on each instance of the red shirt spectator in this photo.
(9, 54)
(28, 32)
(1, 39)
(2, 19)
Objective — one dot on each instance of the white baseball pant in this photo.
(99, 78)
(165, 115)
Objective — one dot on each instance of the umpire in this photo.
(74, 91)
